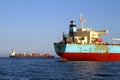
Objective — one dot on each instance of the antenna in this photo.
(82, 20)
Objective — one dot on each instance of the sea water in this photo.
(54, 69)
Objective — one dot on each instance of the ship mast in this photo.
(82, 20)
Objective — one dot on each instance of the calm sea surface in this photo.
(53, 69)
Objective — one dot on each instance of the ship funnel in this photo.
(72, 22)
(72, 28)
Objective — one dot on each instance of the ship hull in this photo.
(90, 56)
(80, 52)
(31, 57)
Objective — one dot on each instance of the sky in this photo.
(34, 25)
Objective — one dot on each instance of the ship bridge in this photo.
(83, 35)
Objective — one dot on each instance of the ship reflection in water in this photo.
(86, 69)
(29, 55)
(91, 70)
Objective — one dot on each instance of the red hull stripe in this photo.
(91, 56)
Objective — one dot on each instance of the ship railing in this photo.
(62, 42)
(109, 44)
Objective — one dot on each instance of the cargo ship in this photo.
(85, 44)
(30, 55)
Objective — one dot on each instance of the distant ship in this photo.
(29, 55)
(84, 44)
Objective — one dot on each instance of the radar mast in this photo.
(82, 20)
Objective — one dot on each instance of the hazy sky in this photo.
(34, 25)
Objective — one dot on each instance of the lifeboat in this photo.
(99, 40)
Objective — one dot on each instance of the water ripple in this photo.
(52, 69)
